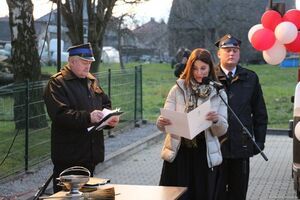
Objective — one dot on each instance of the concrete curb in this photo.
(127, 151)
(278, 132)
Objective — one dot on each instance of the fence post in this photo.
(109, 95)
(135, 96)
(26, 123)
(141, 93)
(109, 83)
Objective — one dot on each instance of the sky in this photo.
(158, 9)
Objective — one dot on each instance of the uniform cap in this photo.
(84, 51)
(228, 41)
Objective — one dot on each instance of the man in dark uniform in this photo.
(245, 97)
(74, 103)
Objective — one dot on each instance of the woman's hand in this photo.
(212, 116)
(162, 122)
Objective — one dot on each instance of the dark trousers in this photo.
(60, 168)
(233, 179)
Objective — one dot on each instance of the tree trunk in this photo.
(120, 34)
(25, 61)
(72, 14)
(122, 66)
(99, 15)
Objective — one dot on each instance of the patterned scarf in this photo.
(201, 91)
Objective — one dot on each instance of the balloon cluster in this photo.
(276, 35)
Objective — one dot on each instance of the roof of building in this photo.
(151, 32)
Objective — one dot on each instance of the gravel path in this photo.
(26, 185)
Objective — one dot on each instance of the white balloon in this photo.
(275, 54)
(286, 32)
(253, 29)
(298, 4)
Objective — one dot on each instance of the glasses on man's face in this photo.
(234, 50)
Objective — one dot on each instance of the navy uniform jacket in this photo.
(69, 101)
(245, 97)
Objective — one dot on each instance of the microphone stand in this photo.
(244, 128)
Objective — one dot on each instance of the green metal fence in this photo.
(25, 125)
(140, 92)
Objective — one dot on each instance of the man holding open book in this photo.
(75, 102)
(190, 161)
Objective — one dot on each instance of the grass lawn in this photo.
(278, 85)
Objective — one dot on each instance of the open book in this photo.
(188, 125)
(107, 116)
(96, 182)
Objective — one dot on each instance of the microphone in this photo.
(215, 84)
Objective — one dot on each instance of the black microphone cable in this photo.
(12, 143)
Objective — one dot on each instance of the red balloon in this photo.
(263, 39)
(295, 45)
(293, 16)
(270, 19)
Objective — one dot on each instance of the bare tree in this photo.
(99, 13)
(121, 29)
(120, 22)
(218, 17)
(25, 58)
(25, 61)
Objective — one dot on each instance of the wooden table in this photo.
(140, 192)
(144, 192)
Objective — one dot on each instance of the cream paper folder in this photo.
(188, 125)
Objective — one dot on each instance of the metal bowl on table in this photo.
(74, 178)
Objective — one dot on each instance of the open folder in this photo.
(107, 115)
(188, 125)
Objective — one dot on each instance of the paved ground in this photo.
(125, 143)
(139, 163)
(272, 179)
(268, 180)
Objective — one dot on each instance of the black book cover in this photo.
(107, 115)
